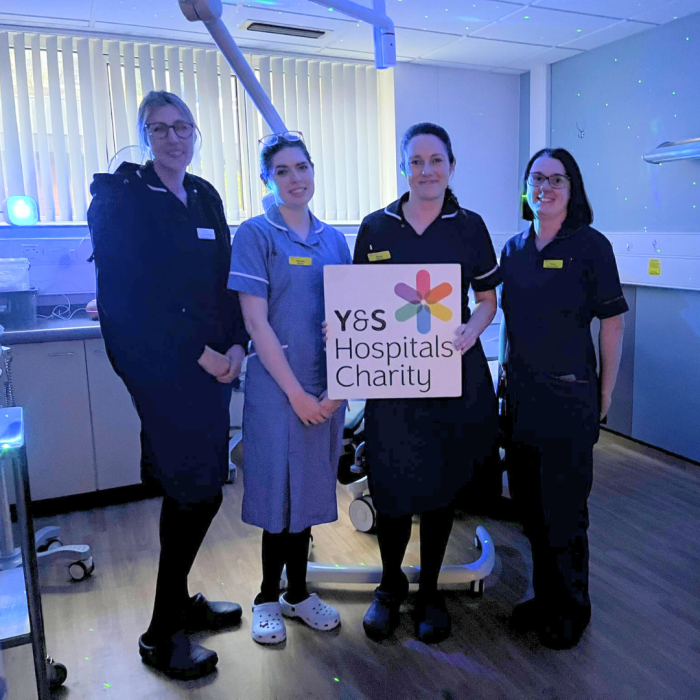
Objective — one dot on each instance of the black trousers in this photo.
(550, 484)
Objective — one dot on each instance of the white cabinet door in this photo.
(50, 383)
(115, 423)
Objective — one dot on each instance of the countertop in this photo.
(47, 330)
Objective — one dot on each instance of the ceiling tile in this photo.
(609, 34)
(450, 16)
(621, 9)
(543, 59)
(410, 43)
(151, 18)
(545, 27)
(670, 11)
(75, 10)
(350, 55)
(462, 66)
(483, 52)
(508, 71)
(302, 7)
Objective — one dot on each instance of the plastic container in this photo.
(14, 275)
(18, 309)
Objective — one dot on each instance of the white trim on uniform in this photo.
(156, 189)
(252, 277)
(253, 354)
(450, 216)
(269, 221)
(488, 274)
(388, 213)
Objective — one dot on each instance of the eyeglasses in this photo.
(556, 182)
(159, 130)
(274, 139)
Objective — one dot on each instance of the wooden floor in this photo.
(643, 642)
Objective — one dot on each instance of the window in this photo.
(76, 100)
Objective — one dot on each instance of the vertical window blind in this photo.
(68, 106)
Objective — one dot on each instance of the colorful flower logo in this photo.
(423, 302)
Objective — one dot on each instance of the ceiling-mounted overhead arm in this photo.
(384, 32)
(209, 12)
(674, 150)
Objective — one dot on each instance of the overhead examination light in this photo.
(674, 150)
(284, 29)
(20, 210)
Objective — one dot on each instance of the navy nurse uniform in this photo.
(161, 294)
(290, 469)
(421, 452)
(549, 299)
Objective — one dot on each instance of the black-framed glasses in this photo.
(160, 130)
(274, 139)
(556, 182)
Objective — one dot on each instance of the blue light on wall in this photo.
(20, 210)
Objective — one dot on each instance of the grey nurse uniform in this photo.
(290, 469)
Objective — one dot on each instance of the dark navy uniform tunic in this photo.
(421, 452)
(549, 299)
(162, 269)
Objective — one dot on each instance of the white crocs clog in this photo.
(313, 611)
(268, 624)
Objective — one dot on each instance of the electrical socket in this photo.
(31, 251)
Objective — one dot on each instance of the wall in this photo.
(627, 98)
(480, 111)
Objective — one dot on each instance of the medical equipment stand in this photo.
(14, 630)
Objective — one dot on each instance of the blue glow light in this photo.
(20, 210)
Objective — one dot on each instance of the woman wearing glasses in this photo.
(557, 276)
(175, 336)
(292, 433)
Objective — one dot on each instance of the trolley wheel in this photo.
(476, 588)
(80, 570)
(362, 514)
(56, 672)
(51, 544)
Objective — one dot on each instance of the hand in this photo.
(214, 363)
(308, 408)
(324, 331)
(330, 406)
(605, 401)
(236, 355)
(466, 338)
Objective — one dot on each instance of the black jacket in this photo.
(162, 270)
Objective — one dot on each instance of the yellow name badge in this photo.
(376, 257)
(305, 262)
(655, 267)
(553, 264)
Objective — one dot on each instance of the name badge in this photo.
(553, 264)
(306, 262)
(206, 234)
(375, 257)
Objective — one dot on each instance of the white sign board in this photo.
(391, 330)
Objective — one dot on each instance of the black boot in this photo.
(433, 622)
(382, 617)
(203, 614)
(177, 657)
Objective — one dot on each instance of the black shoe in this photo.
(382, 617)
(526, 617)
(204, 614)
(177, 657)
(564, 632)
(433, 622)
